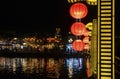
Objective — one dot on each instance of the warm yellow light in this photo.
(73, 1)
(15, 38)
(105, 77)
(92, 2)
(89, 25)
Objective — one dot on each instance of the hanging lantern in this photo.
(78, 10)
(78, 45)
(86, 39)
(87, 46)
(78, 28)
(86, 33)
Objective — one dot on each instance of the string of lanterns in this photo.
(79, 11)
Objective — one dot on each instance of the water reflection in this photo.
(57, 68)
(73, 65)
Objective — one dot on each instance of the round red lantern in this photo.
(78, 28)
(78, 10)
(78, 45)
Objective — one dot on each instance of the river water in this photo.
(44, 68)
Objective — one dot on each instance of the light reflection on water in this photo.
(59, 68)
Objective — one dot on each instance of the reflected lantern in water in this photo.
(78, 10)
(78, 45)
(78, 28)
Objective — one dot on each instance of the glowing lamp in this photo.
(92, 2)
(73, 1)
(78, 28)
(78, 45)
(78, 10)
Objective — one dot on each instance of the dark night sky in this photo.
(117, 17)
(39, 15)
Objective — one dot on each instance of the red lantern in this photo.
(87, 46)
(78, 28)
(78, 45)
(78, 10)
(86, 39)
